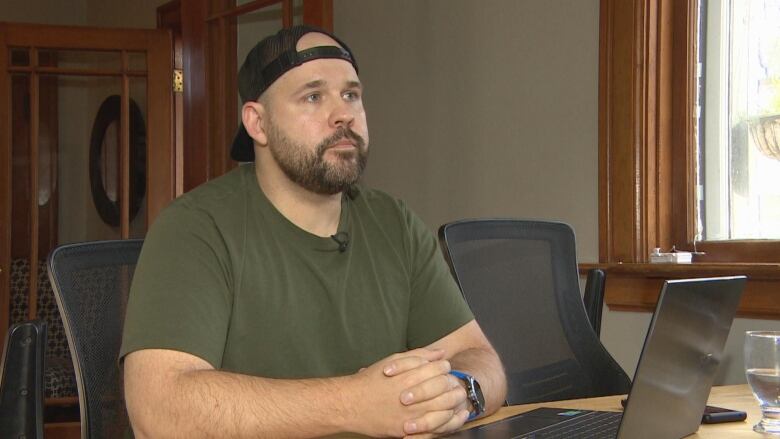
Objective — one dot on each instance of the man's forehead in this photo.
(315, 39)
(322, 72)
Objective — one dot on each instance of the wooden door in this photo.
(85, 143)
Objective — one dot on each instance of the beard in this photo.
(309, 169)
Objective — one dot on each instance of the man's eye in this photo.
(351, 96)
(314, 97)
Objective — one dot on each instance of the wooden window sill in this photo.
(635, 286)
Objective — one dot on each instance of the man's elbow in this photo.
(149, 395)
(141, 433)
(143, 413)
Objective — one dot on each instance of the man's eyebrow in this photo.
(318, 83)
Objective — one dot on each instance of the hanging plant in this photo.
(765, 132)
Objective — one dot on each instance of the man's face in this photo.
(316, 124)
(308, 166)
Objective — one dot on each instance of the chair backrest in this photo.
(520, 279)
(91, 282)
(21, 381)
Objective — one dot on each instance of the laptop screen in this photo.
(680, 356)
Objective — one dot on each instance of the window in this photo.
(738, 133)
(650, 162)
(657, 187)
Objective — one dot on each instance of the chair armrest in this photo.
(21, 385)
(593, 298)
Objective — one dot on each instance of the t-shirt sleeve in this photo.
(180, 296)
(436, 306)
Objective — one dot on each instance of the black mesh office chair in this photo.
(520, 280)
(91, 282)
(21, 381)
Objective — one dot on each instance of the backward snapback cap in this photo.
(270, 59)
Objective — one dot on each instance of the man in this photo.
(283, 300)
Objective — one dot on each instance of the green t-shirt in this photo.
(225, 276)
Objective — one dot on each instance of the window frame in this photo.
(647, 147)
(647, 142)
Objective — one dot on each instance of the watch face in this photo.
(474, 393)
(480, 405)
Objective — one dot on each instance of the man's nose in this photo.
(342, 115)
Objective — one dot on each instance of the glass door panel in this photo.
(88, 158)
(136, 61)
(19, 56)
(97, 60)
(138, 129)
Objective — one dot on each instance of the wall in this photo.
(466, 99)
(623, 333)
(123, 14)
(490, 109)
(44, 11)
(100, 13)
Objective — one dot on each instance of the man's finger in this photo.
(450, 426)
(430, 389)
(457, 421)
(428, 422)
(393, 367)
(402, 365)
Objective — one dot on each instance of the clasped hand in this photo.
(410, 394)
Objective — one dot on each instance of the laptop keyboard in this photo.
(597, 425)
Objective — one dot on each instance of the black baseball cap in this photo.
(270, 59)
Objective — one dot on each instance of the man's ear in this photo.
(253, 115)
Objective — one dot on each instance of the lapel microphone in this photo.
(342, 239)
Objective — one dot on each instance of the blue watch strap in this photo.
(459, 374)
(465, 377)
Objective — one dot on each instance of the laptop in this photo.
(676, 369)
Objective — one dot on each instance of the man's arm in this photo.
(174, 394)
(469, 351)
(473, 354)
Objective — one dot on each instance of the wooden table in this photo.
(737, 397)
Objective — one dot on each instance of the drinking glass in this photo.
(762, 367)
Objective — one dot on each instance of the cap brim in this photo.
(243, 148)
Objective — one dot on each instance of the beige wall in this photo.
(482, 108)
(44, 11)
(101, 13)
(121, 13)
(490, 109)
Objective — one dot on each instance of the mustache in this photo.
(341, 134)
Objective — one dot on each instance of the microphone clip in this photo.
(342, 239)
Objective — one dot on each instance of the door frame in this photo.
(208, 51)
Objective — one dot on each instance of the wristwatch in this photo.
(473, 393)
